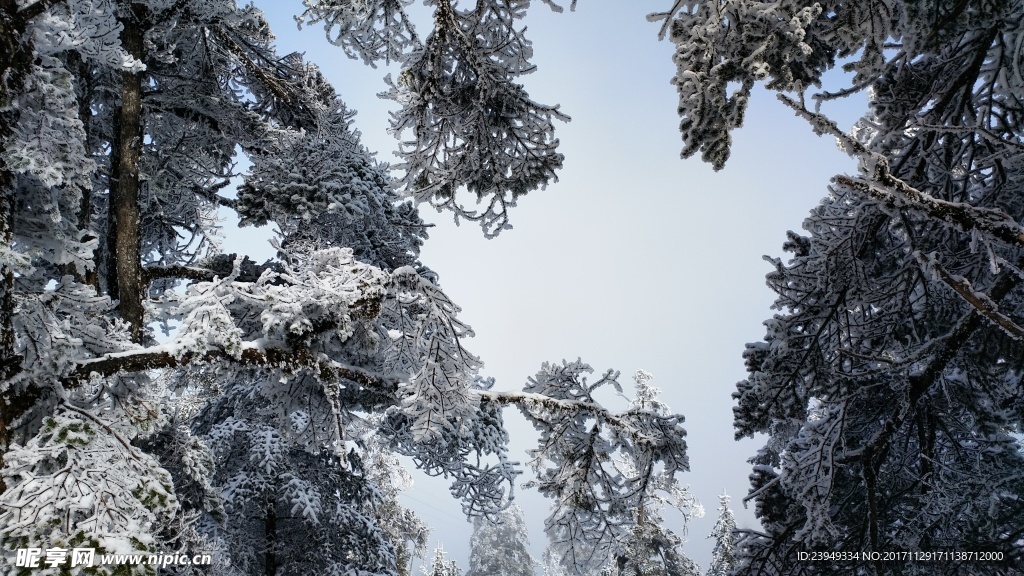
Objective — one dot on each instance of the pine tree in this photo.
(265, 427)
(441, 567)
(652, 548)
(722, 559)
(643, 546)
(498, 545)
(888, 383)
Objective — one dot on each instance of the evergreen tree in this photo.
(652, 548)
(888, 384)
(645, 546)
(722, 559)
(252, 430)
(498, 545)
(441, 567)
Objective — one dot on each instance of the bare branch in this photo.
(151, 273)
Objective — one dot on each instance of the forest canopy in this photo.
(887, 389)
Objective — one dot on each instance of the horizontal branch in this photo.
(151, 273)
(899, 194)
(251, 355)
(524, 400)
(219, 266)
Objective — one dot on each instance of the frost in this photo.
(265, 426)
(52, 481)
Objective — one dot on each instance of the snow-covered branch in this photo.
(534, 403)
(878, 182)
(252, 354)
(979, 300)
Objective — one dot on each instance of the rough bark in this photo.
(124, 261)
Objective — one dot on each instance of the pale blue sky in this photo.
(634, 259)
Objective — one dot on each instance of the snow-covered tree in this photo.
(888, 383)
(722, 556)
(441, 567)
(265, 427)
(640, 543)
(651, 549)
(472, 126)
(498, 545)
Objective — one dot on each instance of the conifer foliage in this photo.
(888, 384)
(465, 123)
(722, 556)
(264, 429)
(499, 548)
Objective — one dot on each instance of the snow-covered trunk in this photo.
(15, 61)
(84, 91)
(124, 264)
(8, 358)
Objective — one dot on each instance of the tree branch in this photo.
(894, 192)
(524, 400)
(219, 266)
(252, 355)
(151, 273)
(921, 382)
(32, 10)
(271, 83)
(982, 303)
(898, 194)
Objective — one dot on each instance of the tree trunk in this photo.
(16, 54)
(124, 261)
(270, 533)
(9, 359)
(84, 92)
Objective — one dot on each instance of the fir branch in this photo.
(252, 354)
(982, 303)
(897, 194)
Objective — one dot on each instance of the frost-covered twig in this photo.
(894, 192)
(980, 301)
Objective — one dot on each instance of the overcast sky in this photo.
(634, 259)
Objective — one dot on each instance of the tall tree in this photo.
(889, 382)
(498, 547)
(723, 554)
(252, 430)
